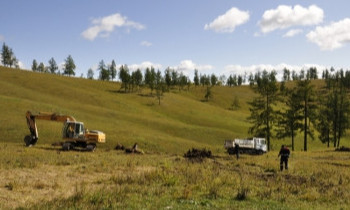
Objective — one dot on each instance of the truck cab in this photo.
(260, 144)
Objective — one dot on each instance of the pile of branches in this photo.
(196, 153)
(343, 149)
(133, 149)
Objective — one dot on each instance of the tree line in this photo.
(280, 111)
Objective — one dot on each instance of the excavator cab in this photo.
(73, 130)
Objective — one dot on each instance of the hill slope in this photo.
(181, 121)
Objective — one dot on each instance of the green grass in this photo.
(43, 177)
(181, 121)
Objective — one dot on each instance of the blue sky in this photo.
(221, 37)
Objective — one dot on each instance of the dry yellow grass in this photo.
(43, 177)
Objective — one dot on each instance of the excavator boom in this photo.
(33, 138)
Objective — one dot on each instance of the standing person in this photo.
(284, 153)
(237, 150)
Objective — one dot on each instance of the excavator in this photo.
(73, 132)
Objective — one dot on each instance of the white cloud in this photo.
(144, 65)
(227, 22)
(187, 67)
(146, 44)
(104, 26)
(293, 32)
(286, 16)
(332, 36)
(21, 65)
(2, 38)
(241, 70)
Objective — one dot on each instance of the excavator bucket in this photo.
(30, 141)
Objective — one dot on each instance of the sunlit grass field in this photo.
(43, 177)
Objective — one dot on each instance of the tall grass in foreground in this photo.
(114, 180)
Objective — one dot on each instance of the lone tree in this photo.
(69, 66)
(90, 74)
(235, 104)
(262, 114)
(208, 93)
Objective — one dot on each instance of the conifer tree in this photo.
(69, 66)
(52, 66)
(262, 113)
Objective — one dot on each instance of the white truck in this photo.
(253, 145)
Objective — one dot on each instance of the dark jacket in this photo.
(284, 153)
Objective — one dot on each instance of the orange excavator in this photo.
(73, 132)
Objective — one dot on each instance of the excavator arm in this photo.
(31, 139)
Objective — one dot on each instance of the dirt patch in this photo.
(198, 154)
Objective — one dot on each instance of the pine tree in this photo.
(113, 70)
(262, 114)
(41, 67)
(104, 73)
(90, 74)
(213, 80)
(150, 76)
(338, 106)
(167, 77)
(306, 94)
(289, 119)
(124, 76)
(52, 66)
(69, 66)
(159, 85)
(8, 58)
(208, 93)
(196, 78)
(35, 65)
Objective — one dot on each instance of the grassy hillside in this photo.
(182, 120)
(43, 177)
